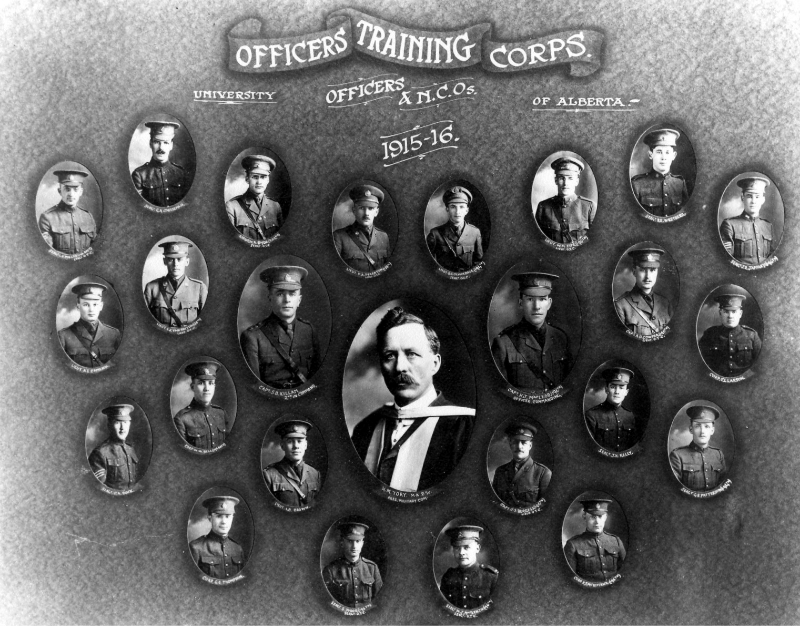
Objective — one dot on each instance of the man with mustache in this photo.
(699, 466)
(521, 482)
(470, 584)
(731, 348)
(595, 555)
(115, 462)
(201, 424)
(253, 214)
(611, 425)
(352, 580)
(566, 217)
(414, 442)
(362, 245)
(67, 227)
(748, 237)
(89, 342)
(456, 245)
(292, 481)
(175, 299)
(659, 191)
(160, 181)
(216, 554)
(641, 309)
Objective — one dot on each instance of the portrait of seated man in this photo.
(362, 245)
(610, 423)
(660, 191)
(566, 217)
(595, 555)
(700, 466)
(291, 480)
(203, 425)
(253, 214)
(730, 348)
(216, 553)
(115, 462)
(162, 181)
(352, 580)
(67, 227)
(521, 482)
(642, 309)
(89, 342)
(456, 245)
(748, 237)
(176, 299)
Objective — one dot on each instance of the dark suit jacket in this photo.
(75, 339)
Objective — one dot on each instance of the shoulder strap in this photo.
(361, 247)
(243, 204)
(642, 315)
(170, 310)
(272, 337)
(88, 346)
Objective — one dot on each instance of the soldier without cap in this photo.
(67, 227)
(89, 342)
(456, 245)
(611, 424)
(595, 555)
(522, 481)
(661, 192)
(362, 245)
(352, 580)
(747, 236)
(216, 554)
(292, 481)
(730, 349)
(699, 466)
(160, 181)
(469, 585)
(641, 309)
(253, 214)
(201, 424)
(175, 299)
(566, 217)
(115, 462)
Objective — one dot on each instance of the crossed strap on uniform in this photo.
(643, 315)
(453, 252)
(293, 482)
(247, 212)
(88, 346)
(170, 310)
(565, 234)
(536, 371)
(272, 337)
(361, 247)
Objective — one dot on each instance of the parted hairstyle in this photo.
(399, 317)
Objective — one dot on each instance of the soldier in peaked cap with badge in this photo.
(89, 342)
(699, 466)
(469, 585)
(456, 245)
(641, 309)
(362, 245)
(731, 348)
(566, 217)
(201, 424)
(253, 214)
(115, 462)
(532, 354)
(175, 299)
(292, 481)
(282, 350)
(160, 181)
(661, 192)
(748, 237)
(595, 555)
(216, 554)
(67, 227)
(352, 580)
(521, 482)
(612, 425)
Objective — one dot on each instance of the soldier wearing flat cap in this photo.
(352, 580)
(641, 309)
(661, 192)
(612, 425)
(282, 350)
(115, 462)
(362, 245)
(216, 554)
(533, 354)
(201, 424)
(292, 481)
(253, 214)
(469, 585)
(521, 482)
(699, 466)
(748, 237)
(731, 348)
(456, 245)
(595, 555)
(67, 227)
(160, 181)
(89, 342)
(175, 299)
(566, 217)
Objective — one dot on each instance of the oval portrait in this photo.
(203, 404)
(161, 160)
(564, 199)
(594, 536)
(69, 209)
(409, 397)
(520, 464)
(119, 444)
(729, 331)
(534, 329)
(750, 219)
(258, 195)
(466, 564)
(663, 171)
(89, 323)
(364, 226)
(175, 284)
(646, 290)
(220, 535)
(616, 408)
(294, 462)
(701, 448)
(284, 325)
(353, 563)
(458, 227)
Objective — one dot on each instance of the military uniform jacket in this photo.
(187, 300)
(565, 220)
(251, 221)
(352, 584)
(653, 317)
(218, 557)
(369, 254)
(115, 463)
(595, 557)
(453, 252)
(730, 351)
(447, 444)
(470, 587)
(612, 427)
(264, 359)
(748, 240)
(203, 427)
(161, 185)
(68, 230)
(88, 350)
(523, 487)
(287, 482)
(660, 195)
(527, 365)
(696, 468)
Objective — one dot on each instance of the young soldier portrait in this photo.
(290, 478)
(520, 473)
(595, 554)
